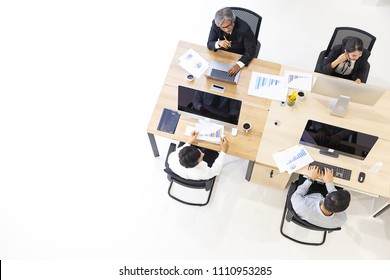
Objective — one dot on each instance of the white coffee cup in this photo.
(190, 77)
(301, 95)
(247, 126)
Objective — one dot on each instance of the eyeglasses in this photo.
(227, 26)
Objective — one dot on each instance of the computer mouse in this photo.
(361, 177)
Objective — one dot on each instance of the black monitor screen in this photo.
(342, 141)
(209, 105)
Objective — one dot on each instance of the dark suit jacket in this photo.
(242, 38)
(358, 72)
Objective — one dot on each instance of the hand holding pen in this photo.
(228, 42)
(224, 43)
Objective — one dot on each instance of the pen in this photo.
(227, 40)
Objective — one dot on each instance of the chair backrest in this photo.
(295, 217)
(205, 186)
(341, 32)
(196, 184)
(253, 19)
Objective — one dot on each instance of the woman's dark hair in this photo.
(337, 201)
(352, 44)
(189, 156)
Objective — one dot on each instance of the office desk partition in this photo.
(254, 109)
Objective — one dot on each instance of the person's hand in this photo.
(313, 172)
(358, 81)
(234, 70)
(342, 57)
(224, 144)
(328, 175)
(193, 136)
(224, 44)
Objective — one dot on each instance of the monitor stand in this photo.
(339, 107)
(330, 153)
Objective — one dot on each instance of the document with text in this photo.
(193, 63)
(292, 159)
(267, 86)
(298, 80)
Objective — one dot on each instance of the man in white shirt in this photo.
(328, 212)
(188, 161)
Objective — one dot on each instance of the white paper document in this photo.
(267, 86)
(292, 159)
(193, 63)
(210, 132)
(298, 80)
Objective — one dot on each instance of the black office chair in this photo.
(201, 185)
(254, 21)
(291, 216)
(338, 35)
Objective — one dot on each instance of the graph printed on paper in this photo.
(292, 159)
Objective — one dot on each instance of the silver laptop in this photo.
(218, 71)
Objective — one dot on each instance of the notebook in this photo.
(168, 121)
(218, 71)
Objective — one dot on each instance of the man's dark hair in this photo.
(189, 156)
(337, 201)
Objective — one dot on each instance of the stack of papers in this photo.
(193, 63)
(292, 159)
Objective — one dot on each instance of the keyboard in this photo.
(338, 172)
(222, 74)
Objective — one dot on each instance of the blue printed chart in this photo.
(208, 131)
(267, 86)
(292, 159)
(299, 80)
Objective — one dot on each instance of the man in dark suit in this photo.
(230, 33)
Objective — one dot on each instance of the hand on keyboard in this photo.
(315, 172)
(327, 175)
(338, 172)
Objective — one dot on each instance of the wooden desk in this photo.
(254, 109)
(367, 119)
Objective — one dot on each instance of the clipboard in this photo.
(168, 121)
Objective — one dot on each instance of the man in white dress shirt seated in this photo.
(191, 162)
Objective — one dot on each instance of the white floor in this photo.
(78, 177)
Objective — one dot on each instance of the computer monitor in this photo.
(222, 109)
(358, 93)
(333, 140)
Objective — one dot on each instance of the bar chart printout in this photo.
(292, 159)
(267, 86)
(211, 132)
(299, 80)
